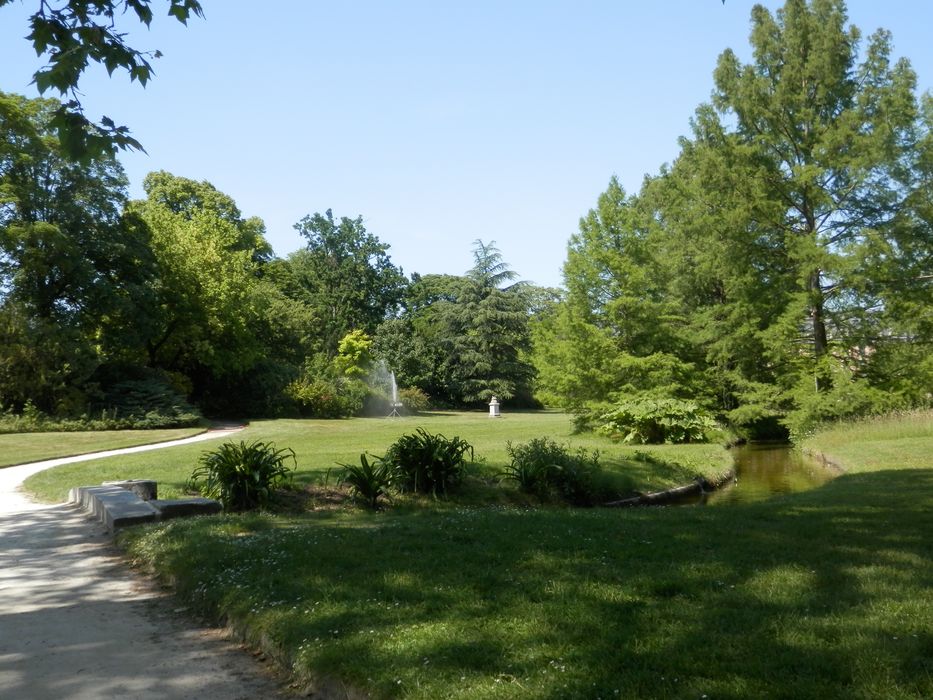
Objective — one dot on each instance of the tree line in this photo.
(779, 270)
(777, 273)
(107, 303)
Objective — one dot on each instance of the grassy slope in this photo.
(890, 442)
(823, 594)
(20, 448)
(322, 444)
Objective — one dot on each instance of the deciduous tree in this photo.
(74, 33)
(345, 275)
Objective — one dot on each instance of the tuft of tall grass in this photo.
(890, 426)
(901, 440)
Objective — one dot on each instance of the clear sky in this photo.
(438, 122)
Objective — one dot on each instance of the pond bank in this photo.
(700, 486)
(826, 461)
(760, 471)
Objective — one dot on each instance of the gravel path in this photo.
(76, 622)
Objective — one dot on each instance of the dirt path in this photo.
(76, 622)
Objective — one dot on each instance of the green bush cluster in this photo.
(847, 398)
(547, 469)
(116, 398)
(322, 397)
(368, 481)
(413, 399)
(657, 421)
(421, 462)
(32, 420)
(428, 463)
(242, 476)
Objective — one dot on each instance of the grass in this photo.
(320, 445)
(827, 593)
(20, 448)
(900, 441)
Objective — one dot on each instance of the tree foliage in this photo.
(780, 266)
(72, 34)
(463, 339)
(486, 331)
(346, 275)
(74, 279)
(207, 269)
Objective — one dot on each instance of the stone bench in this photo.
(118, 504)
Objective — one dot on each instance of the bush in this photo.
(428, 463)
(414, 400)
(656, 421)
(588, 418)
(32, 420)
(327, 398)
(135, 398)
(138, 397)
(545, 469)
(369, 480)
(848, 398)
(117, 398)
(242, 476)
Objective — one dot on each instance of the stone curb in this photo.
(118, 504)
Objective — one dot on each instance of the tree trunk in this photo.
(820, 343)
(815, 290)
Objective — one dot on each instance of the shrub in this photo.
(327, 398)
(428, 463)
(120, 398)
(136, 398)
(259, 391)
(369, 480)
(31, 420)
(587, 418)
(545, 468)
(126, 396)
(413, 399)
(848, 398)
(655, 421)
(242, 476)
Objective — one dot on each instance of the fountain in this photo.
(396, 404)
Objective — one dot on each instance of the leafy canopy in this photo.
(71, 34)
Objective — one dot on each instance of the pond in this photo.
(766, 469)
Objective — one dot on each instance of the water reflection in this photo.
(764, 470)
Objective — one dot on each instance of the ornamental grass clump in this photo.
(369, 481)
(546, 469)
(243, 476)
(428, 463)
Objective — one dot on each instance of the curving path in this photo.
(77, 623)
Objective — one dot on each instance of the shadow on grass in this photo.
(822, 594)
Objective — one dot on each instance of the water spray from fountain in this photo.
(383, 381)
(396, 404)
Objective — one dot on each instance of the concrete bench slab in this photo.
(184, 507)
(115, 507)
(118, 504)
(146, 489)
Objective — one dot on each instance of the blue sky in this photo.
(439, 123)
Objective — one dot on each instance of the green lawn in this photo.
(320, 445)
(888, 442)
(826, 594)
(19, 448)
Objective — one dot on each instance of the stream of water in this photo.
(765, 470)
